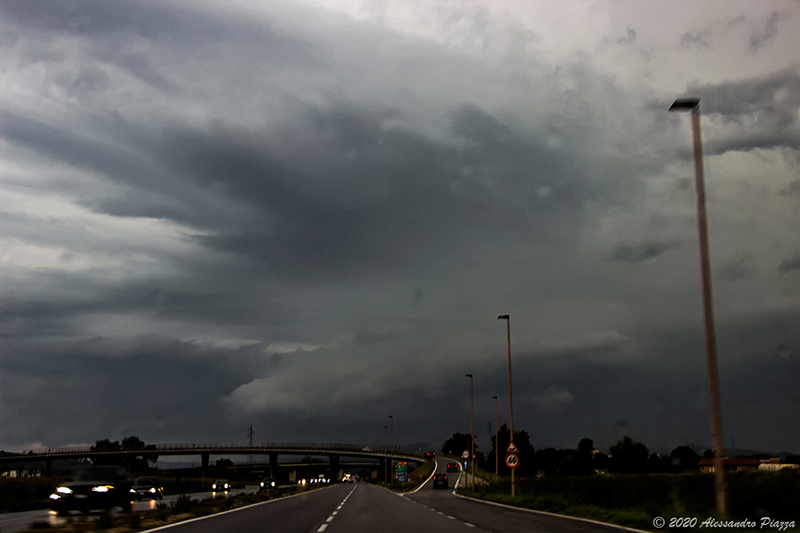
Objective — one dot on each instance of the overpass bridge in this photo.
(333, 451)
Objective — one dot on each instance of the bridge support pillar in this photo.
(334, 464)
(48, 467)
(273, 465)
(204, 463)
(382, 474)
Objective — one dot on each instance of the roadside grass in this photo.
(415, 479)
(636, 500)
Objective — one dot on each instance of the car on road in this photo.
(430, 455)
(147, 488)
(452, 467)
(94, 488)
(221, 485)
(267, 483)
(440, 481)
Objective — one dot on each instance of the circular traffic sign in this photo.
(465, 454)
(512, 460)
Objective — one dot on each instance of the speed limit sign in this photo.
(465, 454)
(512, 460)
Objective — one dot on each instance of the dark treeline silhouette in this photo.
(134, 463)
(625, 457)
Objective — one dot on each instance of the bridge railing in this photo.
(266, 448)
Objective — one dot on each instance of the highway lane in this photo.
(497, 519)
(356, 508)
(301, 513)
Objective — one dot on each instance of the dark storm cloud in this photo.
(636, 253)
(696, 38)
(157, 387)
(789, 264)
(763, 36)
(362, 195)
(740, 269)
(767, 106)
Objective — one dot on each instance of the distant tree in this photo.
(105, 445)
(525, 451)
(132, 443)
(657, 464)
(600, 462)
(224, 463)
(792, 459)
(583, 466)
(548, 461)
(684, 458)
(457, 444)
(628, 457)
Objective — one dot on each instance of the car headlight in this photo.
(102, 488)
(55, 496)
(262, 483)
(64, 490)
(272, 484)
(152, 490)
(133, 491)
(214, 487)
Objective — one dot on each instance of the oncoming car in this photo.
(221, 485)
(147, 488)
(94, 488)
(440, 481)
(267, 483)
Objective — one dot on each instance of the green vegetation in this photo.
(415, 478)
(26, 493)
(634, 500)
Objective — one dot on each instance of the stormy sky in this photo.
(307, 216)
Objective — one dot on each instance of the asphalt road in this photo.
(355, 508)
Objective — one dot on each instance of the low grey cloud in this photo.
(636, 253)
(763, 36)
(763, 111)
(790, 264)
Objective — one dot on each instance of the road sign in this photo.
(511, 448)
(512, 460)
(402, 472)
(465, 454)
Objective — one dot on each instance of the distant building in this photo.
(774, 464)
(731, 466)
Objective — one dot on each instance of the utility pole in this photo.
(250, 435)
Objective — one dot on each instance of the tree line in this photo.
(625, 457)
(134, 463)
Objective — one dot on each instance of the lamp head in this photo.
(684, 104)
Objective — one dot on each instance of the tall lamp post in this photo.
(693, 105)
(391, 453)
(507, 318)
(496, 442)
(385, 453)
(471, 429)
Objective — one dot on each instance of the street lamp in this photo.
(496, 442)
(507, 318)
(471, 429)
(693, 105)
(391, 453)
